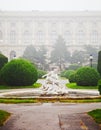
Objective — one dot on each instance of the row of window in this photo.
(40, 36)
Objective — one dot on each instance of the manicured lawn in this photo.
(75, 86)
(96, 114)
(3, 116)
(36, 85)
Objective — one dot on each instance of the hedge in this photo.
(19, 72)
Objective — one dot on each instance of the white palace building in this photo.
(19, 29)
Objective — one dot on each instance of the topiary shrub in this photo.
(41, 73)
(68, 73)
(19, 72)
(99, 63)
(99, 86)
(72, 77)
(87, 76)
(3, 60)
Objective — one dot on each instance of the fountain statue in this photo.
(52, 85)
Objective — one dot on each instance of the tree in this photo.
(78, 57)
(35, 56)
(60, 55)
(41, 57)
(30, 53)
(90, 50)
(99, 63)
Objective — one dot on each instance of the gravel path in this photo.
(43, 116)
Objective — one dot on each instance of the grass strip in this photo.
(3, 117)
(75, 86)
(47, 99)
(96, 115)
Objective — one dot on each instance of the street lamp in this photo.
(91, 59)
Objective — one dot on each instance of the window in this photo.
(40, 36)
(27, 37)
(12, 36)
(68, 37)
(94, 37)
(53, 36)
(81, 37)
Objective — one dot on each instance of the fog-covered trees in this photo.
(37, 56)
(60, 55)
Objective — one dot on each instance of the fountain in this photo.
(52, 85)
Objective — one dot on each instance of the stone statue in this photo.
(52, 84)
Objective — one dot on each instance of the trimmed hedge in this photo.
(68, 73)
(3, 60)
(19, 72)
(72, 77)
(99, 86)
(99, 63)
(87, 76)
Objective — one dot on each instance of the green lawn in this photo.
(3, 116)
(75, 86)
(36, 85)
(96, 114)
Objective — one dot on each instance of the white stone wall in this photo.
(19, 29)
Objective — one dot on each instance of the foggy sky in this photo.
(60, 5)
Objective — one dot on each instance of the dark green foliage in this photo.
(99, 63)
(87, 76)
(19, 72)
(3, 60)
(72, 77)
(41, 73)
(68, 73)
(96, 114)
(3, 116)
(74, 67)
(99, 86)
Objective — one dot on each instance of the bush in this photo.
(41, 73)
(99, 63)
(3, 60)
(68, 73)
(19, 72)
(72, 77)
(99, 86)
(87, 76)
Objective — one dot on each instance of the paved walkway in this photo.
(50, 116)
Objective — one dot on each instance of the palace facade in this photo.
(20, 29)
